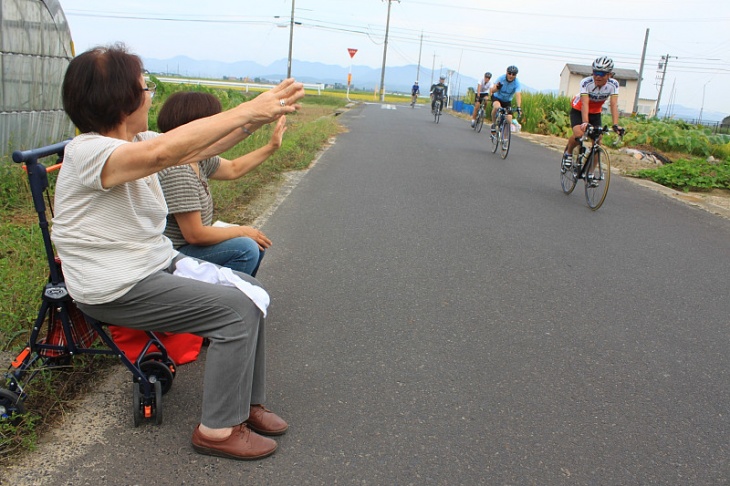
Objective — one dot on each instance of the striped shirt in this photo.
(185, 192)
(108, 239)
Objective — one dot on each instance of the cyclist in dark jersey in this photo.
(439, 91)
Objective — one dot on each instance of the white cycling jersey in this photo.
(596, 95)
(483, 88)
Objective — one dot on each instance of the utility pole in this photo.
(385, 53)
(420, 49)
(291, 40)
(635, 109)
(433, 66)
(661, 84)
(702, 107)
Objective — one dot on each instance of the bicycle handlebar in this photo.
(594, 133)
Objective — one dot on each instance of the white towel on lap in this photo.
(208, 272)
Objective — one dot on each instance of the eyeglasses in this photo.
(151, 87)
(601, 73)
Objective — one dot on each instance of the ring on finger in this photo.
(282, 102)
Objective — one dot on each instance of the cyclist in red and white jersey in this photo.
(587, 105)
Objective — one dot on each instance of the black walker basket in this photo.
(68, 331)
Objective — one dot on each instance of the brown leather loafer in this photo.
(264, 421)
(243, 444)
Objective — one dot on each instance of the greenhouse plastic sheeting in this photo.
(35, 49)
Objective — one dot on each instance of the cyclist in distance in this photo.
(482, 92)
(506, 88)
(439, 91)
(415, 91)
(587, 105)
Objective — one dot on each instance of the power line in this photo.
(431, 39)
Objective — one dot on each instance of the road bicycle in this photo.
(481, 114)
(502, 134)
(437, 109)
(592, 165)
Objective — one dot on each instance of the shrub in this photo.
(690, 174)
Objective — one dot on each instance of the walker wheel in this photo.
(157, 372)
(11, 407)
(157, 356)
(158, 402)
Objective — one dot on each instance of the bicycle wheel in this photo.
(506, 136)
(567, 178)
(480, 121)
(494, 136)
(597, 178)
(437, 115)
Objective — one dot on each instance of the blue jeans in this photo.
(240, 254)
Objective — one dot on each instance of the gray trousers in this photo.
(235, 365)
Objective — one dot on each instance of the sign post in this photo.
(352, 52)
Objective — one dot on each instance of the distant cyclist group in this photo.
(585, 114)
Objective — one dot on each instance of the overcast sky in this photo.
(471, 36)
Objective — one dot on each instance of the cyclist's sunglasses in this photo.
(601, 73)
(512, 73)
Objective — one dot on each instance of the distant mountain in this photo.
(399, 78)
(691, 114)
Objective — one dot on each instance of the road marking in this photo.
(388, 107)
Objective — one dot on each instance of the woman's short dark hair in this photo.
(101, 87)
(185, 106)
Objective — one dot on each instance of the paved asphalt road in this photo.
(442, 316)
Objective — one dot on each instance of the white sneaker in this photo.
(473, 122)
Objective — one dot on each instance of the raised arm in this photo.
(191, 142)
(233, 169)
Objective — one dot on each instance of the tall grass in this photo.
(546, 114)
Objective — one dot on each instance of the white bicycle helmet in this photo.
(603, 63)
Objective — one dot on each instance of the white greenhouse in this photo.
(35, 50)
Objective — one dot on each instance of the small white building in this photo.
(628, 80)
